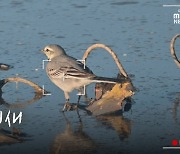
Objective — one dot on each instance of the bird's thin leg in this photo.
(89, 101)
(79, 97)
(79, 117)
(80, 93)
(66, 105)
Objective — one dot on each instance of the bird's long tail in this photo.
(106, 80)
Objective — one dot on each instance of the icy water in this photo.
(138, 31)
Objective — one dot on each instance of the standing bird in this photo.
(67, 73)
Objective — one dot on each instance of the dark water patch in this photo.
(16, 3)
(86, 35)
(60, 37)
(79, 6)
(77, 24)
(96, 40)
(124, 3)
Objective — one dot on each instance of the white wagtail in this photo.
(67, 73)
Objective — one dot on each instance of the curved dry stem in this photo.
(172, 49)
(87, 52)
(38, 92)
(37, 88)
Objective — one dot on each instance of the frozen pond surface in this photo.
(138, 31)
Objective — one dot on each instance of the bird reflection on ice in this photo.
(73, 141)
(76, 140)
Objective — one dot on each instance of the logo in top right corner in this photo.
(176, 17)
